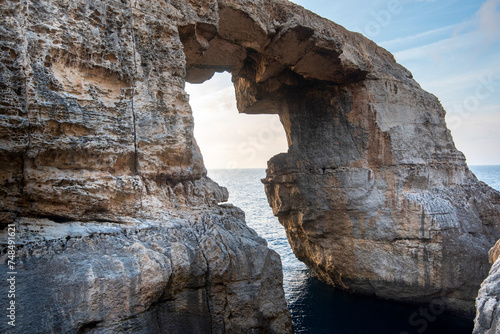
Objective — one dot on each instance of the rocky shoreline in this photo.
(205, 273)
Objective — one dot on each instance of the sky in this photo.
(452, 47)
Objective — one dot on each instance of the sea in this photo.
(318, 308)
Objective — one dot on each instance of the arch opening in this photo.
(236, 148)
(229, 140)
(286, 67)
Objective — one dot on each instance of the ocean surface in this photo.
(316, 307)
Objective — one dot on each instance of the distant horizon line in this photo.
(221, 168)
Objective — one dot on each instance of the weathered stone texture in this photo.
(207, 274)
(118, 227)
(102, 117)
(487, 304)
(494, 253)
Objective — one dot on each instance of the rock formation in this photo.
(372, 192)
(119, 229)
(206, 274)
(487, 304)
(118, 226)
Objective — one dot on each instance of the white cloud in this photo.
(392, 44)
(475, 135)
(489, 19)
(434, 50)
(471, 36)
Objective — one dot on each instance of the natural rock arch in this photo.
(99, 162)
(373, 194)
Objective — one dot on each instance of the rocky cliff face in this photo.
(487, 305)
(208, 273)
(373, 194)
(118, 227)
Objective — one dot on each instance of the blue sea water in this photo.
(488, 174)
(317, 308)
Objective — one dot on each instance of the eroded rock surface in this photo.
(119, 230)
(487, 303)
(207, 274)
(101, 174)
(494, 253)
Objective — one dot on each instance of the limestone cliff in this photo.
(119, 229)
